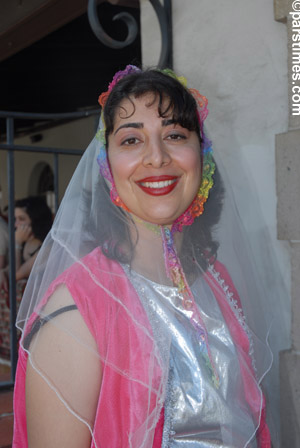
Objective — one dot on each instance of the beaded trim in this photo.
(169, 403)
(238, 312)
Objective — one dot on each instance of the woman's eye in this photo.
(176, 136)
(130, 141)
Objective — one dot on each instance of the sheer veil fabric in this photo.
(110, 329)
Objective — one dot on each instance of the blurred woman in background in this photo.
(33, 220)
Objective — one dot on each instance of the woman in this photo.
(134, 333)
(3, 241)
(33, 220)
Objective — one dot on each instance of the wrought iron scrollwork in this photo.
(102, 35)
(164, 16)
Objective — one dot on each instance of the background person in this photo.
(4, 245)
(33, 220)
(3, 242)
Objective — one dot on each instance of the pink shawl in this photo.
(124, 345)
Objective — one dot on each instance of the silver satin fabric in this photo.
(196, 413)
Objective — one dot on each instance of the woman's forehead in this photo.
(21, 211)
(147, 104)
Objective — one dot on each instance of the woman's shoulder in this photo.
(73, 302)
(31, 247)
(95, 262)
(89, 283)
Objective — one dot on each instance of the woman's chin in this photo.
(156, 220)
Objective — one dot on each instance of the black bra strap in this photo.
(35, 251)
(42, 321)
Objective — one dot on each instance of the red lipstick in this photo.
(158, 185)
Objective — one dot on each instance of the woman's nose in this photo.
(156, 154)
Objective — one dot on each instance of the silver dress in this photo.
(197, 415)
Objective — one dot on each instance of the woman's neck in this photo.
(149, 258)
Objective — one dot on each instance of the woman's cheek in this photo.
(123, 165)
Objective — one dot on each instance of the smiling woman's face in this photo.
(155, 163)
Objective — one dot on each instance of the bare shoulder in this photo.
(31, 247)
(63, 379)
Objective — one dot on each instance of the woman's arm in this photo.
(74, 370)
(23, 234)
(23, 270)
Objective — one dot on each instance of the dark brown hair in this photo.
(172, 97)
(39, 214)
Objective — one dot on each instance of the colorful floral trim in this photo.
(175, 272)
(197, 206)
(200, 99)
(129, 69)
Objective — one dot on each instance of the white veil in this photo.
(76, 268)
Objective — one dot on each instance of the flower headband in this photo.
(208, 167)
(129, 69)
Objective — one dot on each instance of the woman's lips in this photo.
(158, 185)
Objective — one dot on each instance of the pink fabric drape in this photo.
(124, 345)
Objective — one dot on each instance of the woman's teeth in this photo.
(160, 184)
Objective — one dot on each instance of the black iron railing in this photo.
(11, 148)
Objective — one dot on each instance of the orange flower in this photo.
(103, 98)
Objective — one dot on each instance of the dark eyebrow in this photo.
(165, 122)
(129, 125)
